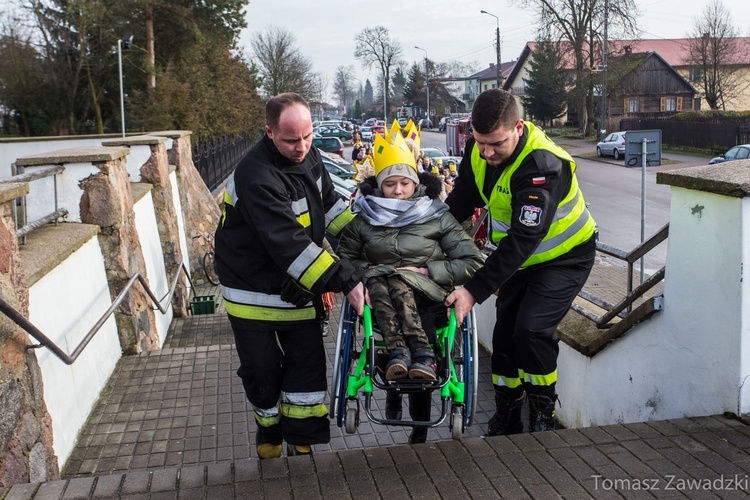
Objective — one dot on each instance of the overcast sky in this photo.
(447, 29)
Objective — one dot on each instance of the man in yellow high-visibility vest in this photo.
(545, 240)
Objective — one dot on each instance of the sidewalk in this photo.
(174, 424)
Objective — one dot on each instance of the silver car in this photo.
(613, 144)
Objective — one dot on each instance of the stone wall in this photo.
(26, 452)
(199, 209)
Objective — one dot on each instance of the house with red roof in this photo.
(666, 76)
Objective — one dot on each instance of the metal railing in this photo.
(45, 341)
(217, 158)
(19, 213)
(633, 294)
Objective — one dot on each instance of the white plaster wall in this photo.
(156, 274)
(41, 198)
(10, 151)
(138, 157)
(687, 360)
(65, 304)
(180, 220)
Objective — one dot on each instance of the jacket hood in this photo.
(430, 185)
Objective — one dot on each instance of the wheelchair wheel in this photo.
(457, 425)
(466, 364)
(341, 363)
(351, 420)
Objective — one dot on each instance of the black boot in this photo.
(507, 418)
(541, 412)
(418, 435)
(398, 365)
(420, 408)
(392, 405)
(423, 365)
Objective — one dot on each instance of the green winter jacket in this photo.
(440, 244)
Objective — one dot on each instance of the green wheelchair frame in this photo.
(355, 372)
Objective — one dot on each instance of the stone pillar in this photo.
(199, 209)
(26, 452)
(155, 171)
(104, 198)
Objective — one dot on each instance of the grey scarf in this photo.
(391, 212)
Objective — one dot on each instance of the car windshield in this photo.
(433, 152)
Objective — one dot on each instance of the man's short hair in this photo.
(492, 109)
(279, 103)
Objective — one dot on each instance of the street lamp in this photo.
(123, 43)
(426, 81)
(497, 47)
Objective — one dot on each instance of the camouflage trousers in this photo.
(395, 309)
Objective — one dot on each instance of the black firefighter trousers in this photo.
(530, 306)
(289, 359)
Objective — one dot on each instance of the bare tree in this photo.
(375, 47)
(714, 49)
(580, 24)
(282, 66)
(343, 85)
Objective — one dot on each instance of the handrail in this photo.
(37, 173)
(632, 294)
(45, 341)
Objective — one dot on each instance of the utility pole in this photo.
(497, 49)
(603, 128)
(426, 80)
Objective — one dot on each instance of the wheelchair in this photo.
(355, 373)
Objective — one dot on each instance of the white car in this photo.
(365, 133)
(613, 144)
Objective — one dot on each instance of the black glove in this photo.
(294, 293)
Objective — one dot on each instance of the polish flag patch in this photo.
(538, 181)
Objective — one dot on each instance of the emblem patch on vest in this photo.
(531, 216)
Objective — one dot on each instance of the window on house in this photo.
(671, 104)
(696, 74)
(634, 106)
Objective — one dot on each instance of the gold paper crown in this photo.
(411, 132)
(392, 150)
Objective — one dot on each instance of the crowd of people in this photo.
(403, 252)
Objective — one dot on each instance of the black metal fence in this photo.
(216, 159)
(713, 136)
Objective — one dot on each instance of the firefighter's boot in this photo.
(507, 417)
(297, 450)
(541, 412)
(266, 439)
(393, 410)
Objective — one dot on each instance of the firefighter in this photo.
(273, 269)
(545, 251)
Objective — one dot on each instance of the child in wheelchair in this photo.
(408, 250)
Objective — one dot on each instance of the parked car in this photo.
(425, 123)
(377, 129)
(403, 121)
(338, 160)
(613, 144)
(329, 144)
(741, 152)
(337, 170)
(333, 131)
(438, 154)
(370, 122)
(344, 188)
(365, 133)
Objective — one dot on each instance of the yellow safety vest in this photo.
(572, 223)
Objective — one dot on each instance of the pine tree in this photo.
(545, 96)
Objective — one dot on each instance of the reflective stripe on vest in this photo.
(264, 307)
(310, 265)
(338, 217)
(572, 223)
